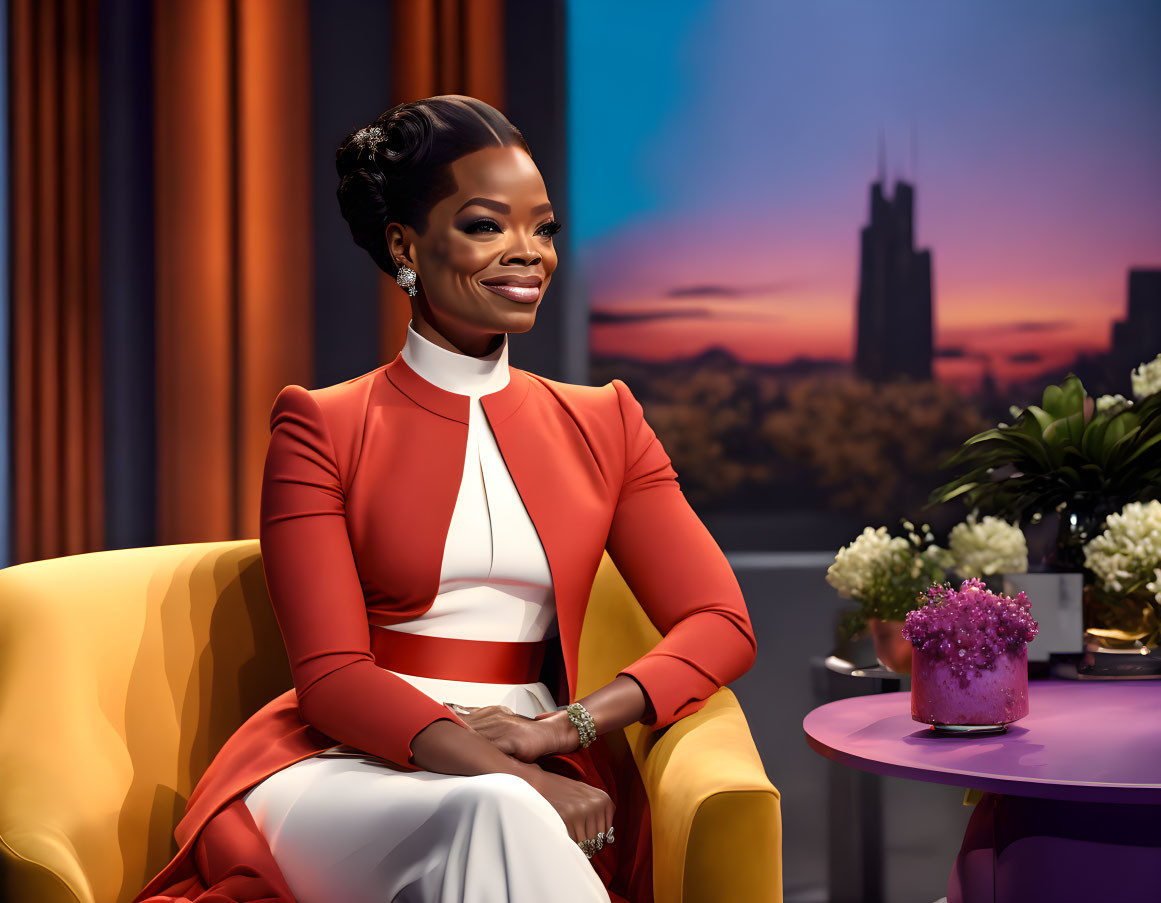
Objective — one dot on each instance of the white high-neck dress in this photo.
(346, 826)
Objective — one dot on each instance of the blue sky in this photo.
(736, 141)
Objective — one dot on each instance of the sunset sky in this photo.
(721, 155)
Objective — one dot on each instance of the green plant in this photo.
(887, 576)
(1066, 448)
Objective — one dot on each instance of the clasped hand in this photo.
(585, 810)
(517, 735)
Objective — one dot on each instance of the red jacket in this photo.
(357, 496)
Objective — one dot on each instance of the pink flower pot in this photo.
(984, 697)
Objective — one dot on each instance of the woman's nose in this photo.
(524, 256)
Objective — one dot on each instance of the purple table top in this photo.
(1088, 741)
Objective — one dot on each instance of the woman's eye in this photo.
(486, 225)
(478, 225)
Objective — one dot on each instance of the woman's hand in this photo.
(586, 810)
(523, 738)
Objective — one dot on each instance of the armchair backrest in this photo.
(121, 675)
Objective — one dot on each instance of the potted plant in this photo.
(1126, 594)
(886, 575)
(1080, 457)
(971, 658)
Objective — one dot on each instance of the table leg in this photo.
(1019, 848)
(855, 826)
(855, 818)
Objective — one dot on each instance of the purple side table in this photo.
(1072, 808)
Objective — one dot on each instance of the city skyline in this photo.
(904, 311)
(727, 215)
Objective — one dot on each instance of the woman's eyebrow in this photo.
(500, 207)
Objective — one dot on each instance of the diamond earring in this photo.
(406, 279)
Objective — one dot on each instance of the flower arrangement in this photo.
(980, 548)
(1072, 454)
(970, 628)
(886, 574)
(1126, 559)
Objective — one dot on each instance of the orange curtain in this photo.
(234, 252)
(57, 453)
(439, 47)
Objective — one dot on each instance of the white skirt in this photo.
(343, 825)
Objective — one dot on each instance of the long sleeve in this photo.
(318, 598)
(679, 575)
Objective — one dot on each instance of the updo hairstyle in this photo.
(398, 167)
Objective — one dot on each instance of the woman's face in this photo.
(496, 229)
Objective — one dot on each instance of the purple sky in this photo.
(721, 153)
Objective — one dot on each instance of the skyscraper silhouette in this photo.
(894, 315)
(1137, 338)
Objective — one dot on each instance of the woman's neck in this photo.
(454, 371)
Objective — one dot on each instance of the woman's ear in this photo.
(398, 244)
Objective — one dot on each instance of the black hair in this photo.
(398, 167)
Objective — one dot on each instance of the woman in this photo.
(455, 509)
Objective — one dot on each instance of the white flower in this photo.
(854, 563)
(1105, 402)
(1154, 586)
(990, 546)
(1129, 549)
(1147, 378)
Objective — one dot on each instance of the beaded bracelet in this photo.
(585, 725)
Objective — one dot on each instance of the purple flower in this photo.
(970, 627)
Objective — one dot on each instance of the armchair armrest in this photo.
(42, 865)
(712, 807)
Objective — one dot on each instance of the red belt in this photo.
(451, 658)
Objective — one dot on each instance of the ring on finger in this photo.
(592, 845)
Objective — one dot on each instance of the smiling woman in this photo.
(470, 216)
(430, 534)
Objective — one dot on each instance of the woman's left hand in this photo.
(519, 736)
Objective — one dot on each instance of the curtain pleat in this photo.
(58, 499)
(234, 265)
(439, 47)
(276, 288)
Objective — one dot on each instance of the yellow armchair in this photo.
(123, 672)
